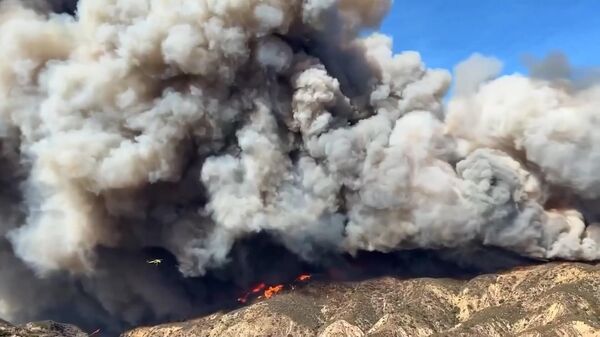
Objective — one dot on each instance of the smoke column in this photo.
(192, 125)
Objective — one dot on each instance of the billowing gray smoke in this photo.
(193, 124)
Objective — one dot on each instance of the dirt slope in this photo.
(40, 329)
(546, 300)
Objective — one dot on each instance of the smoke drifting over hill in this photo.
(190, 126)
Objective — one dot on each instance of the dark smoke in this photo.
(247, 141)
(46, 6)
(556, 68)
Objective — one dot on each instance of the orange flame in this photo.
(258, 288)
(304, 277)
(254, 290)
(273, 290)
(270, 291)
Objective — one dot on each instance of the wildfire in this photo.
(303, 277)
(258, 288)
(254, 290)
(270, 291)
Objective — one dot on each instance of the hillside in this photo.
(40, 329)
(558, 299)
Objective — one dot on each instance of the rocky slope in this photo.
(40, 329)
(546, 300)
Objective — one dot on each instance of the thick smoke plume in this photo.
(192, 125)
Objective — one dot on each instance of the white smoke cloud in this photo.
(474, 71)
(547, 126)
(191, 125)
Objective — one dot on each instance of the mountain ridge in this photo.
(554, 299)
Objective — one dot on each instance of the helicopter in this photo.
(155, 262)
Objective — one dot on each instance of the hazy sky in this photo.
(447, 31)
